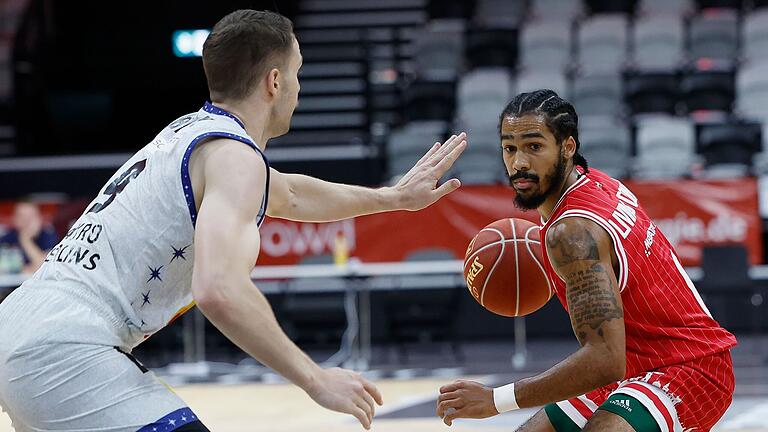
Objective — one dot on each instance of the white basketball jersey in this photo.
(130, 255)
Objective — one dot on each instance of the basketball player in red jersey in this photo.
(651, 356)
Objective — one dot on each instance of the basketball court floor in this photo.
(409, 407)
(267, 404)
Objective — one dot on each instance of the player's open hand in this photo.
(465, 399)
(347, 392)
(418, 187)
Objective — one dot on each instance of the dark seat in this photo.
(714, 34)
(491, 47)
(611, 6)
(442, 9)
(730, 4)
(732, 143)
(430, 100)
(651, 92)
(597, 94)
(708, 90)
(727, 288)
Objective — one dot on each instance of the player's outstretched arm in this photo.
(226, 247)
(580, 252)
(304, 198)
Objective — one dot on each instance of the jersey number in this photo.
(117, 186)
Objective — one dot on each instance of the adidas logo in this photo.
(624, 403)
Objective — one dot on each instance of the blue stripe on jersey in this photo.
(213, 109)
(186, 182)
(171, 422)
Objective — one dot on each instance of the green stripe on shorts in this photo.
(560, 420)
(631, 410)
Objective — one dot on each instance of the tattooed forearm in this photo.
(572, 247)
(591, 301)
(591, 294)
(580, 251)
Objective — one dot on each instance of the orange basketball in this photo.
(503, 268)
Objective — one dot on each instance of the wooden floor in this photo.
(285, 408)
(243, 407)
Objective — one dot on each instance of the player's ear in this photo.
(273, 82)
(569, 147)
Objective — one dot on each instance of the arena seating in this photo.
(678, 77)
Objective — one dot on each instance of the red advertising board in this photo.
(691, 214)
(694, 213)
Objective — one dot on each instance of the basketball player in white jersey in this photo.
(178, 224)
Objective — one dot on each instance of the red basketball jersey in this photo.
(665, 319)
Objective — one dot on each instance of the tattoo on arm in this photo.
(572, 248)
(592, 300)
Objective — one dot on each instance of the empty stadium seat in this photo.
(708, 90)
(598, 94)
(652, 92)
(485, 83)
(429, 100)
(480, 113)
(602, 43)
(556, 10)
(730, 4)
(755, 35)
(436, 8)
(408, 144)
(491, 47)
(665, 147)
(481, 96)
(483, 164)
(714, 34)
(545, 44)
(659, 42)
(606, 146)
(728, 148)
(752, 90)
(499, 13)
(675, 8)
(530, 80)
(439, 48)
(611, 6)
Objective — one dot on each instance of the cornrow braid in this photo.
(559, 115)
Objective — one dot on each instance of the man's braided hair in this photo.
(559, 116)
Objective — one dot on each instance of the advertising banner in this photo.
(690, 213)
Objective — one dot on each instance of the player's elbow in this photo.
(209, 292)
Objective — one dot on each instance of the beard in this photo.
(554, 178)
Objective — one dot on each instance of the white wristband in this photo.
(504, 398)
